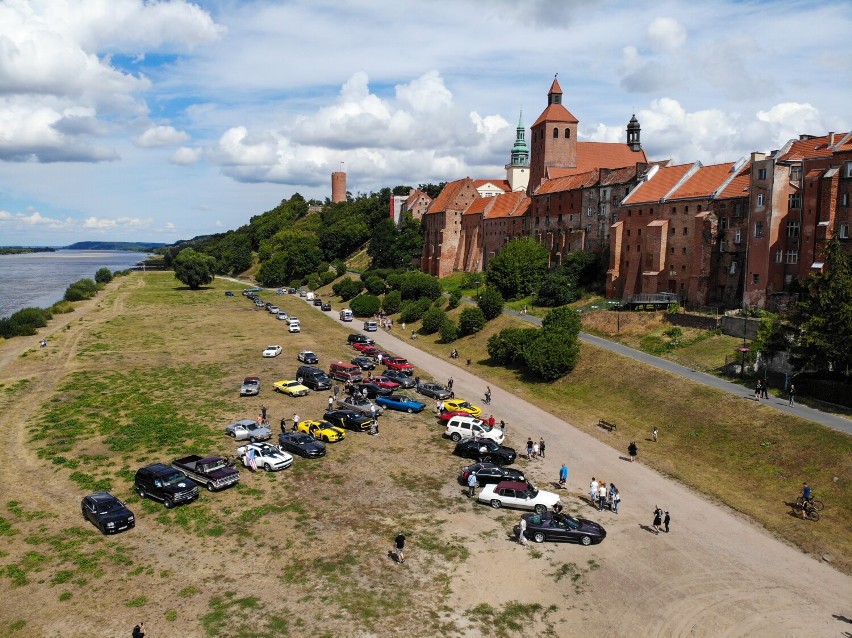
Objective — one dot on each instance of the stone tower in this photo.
(633, 131)
(554, 138)
(338, 187)
(518, 168)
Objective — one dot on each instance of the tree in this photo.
(339, 267)
(508, 346)
(518, 269)
(557, 290)
(563, 320)
(432, 320)
(411, 311)
(375, 284)
(392, 302)
(347, 288)
(551, 355)
(471, 321)
(365, 305)
(490, 302)
(449, 331)
(823, 316)
(416, 284)
(103, 276)
(194, 269)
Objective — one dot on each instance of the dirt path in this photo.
(715, 574)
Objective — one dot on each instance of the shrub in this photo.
(552, 355)
(491, 303)
(314, 281)
(433, 320)
(563, 320)
(508, 346)
(471, 320)
(375, 285)
(411, 311)
(394, 280)
(339, 267)
(347, 288)
(455, 299)
(365, 305)
(449, 331)
(557, 290)
(81, 290)
(327, 277)
(392, 302)
(416, 284)
(103, 276)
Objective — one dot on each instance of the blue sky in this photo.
(128, 120)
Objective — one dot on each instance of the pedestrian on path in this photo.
(666, 521)
(563, 475)
(450, 383)
(616, 500)
(541, 447)
(522, 527)
(758, 390)
(593, 490)
(399, 543)
(632, 450)
(529, 449)
(792, 392)
(535, 450)
(602, 496)
(764, 391)
(658, 519)
(488, 395)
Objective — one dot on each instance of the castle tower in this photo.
(554, 138)
(338, 187)
(518, 168)
(633, 131)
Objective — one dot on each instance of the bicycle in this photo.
(810, 512)
(815, 504)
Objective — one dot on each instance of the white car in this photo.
(519, 495)
(269, 457)
(274, 310)
(283, 316)
(294, 325)
(468, 427)
(272, 351)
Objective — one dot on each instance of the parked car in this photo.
(229, 293)
(405, 381)
(365, 363)
(359, 338)
(486, 450)
(325, 307)
(562, 527)
(518, 495)
(291, 291)
(248, 429)
(385, 382)
(283, 316)
(272, 351)
(345, 372)
(349, 420)
(303, 292)
(371, 326)
(273, 310)
(213, 472)
(164, 483)
(267, 456)
(460, 405)
(259, 303)
(107, 513)
(322, 431)
(463, 427)
(399, 364)
(373, 389)
(490, 473)
(302, 444)
(250, 387)
(291, 388)
(294, 325)
(445, 416)
(313, 378)
(359, 404)
(400, 402)
(434, 390)
(365, 348)
(306, 356)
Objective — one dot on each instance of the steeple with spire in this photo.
(518, 169)
(633, 131)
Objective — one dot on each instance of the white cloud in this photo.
(161, 136)
(185, 155)
(103, 223)
(666, 34)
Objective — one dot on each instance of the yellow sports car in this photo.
(322, 431)
(293, 388)
(460, 405)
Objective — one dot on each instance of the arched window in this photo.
(555, 132)
(567, 133)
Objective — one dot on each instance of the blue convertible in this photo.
(400, 402)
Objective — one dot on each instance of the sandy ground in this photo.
(715, 574)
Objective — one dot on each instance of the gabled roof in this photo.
(808, 149)
(555, 113)
(477, 206)
(658, 185)
(618, 175)
(592, 155)
(499, 183)
(569, 183)
(739, 186)
(448, 195)
(704, 182)
(508, 205)
(415, 195)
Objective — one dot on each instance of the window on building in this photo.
(537, 220)
(795, 200)
(672, 271)
(778, 256)
(683, 267)
(555, 132)
(673, 230)
(559, 218)
(588, 228)
(792, 257)
(723, 223)
(567, 133)
(843, 231)
(844, 199)
(639, 232)
(733, 270)
(848, 169)
(685, 230)
(755, 278)
(760, 199)
(671, 250)
(723, 246)
(686, 210)
(674, 210)
(737, 237)
(614, 217)
(758, 229)
(628, 247)
(793, 228)
(590, 211)
(683, 251)
(796, 173)
(628, 232)
(761, 173)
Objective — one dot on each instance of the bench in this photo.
(606, 425)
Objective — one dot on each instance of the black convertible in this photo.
(302, 444)
(348, 419)
(561, 527)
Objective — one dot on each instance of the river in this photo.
(40, 279)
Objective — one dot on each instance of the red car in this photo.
(400, 364)
(385, 382)
(446, 416)
(366, 350)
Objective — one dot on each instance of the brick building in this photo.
(417, 203)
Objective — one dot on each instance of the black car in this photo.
(433, 390)
(291, 291)
(490, 473)
(349, 419)
(373, 390)
(365, 363)
(165, 484)
(302, 444)
(486, 450)
(326, 306)
(405, 381)
(313, 378)
(107, 513)
(359, 338)
(317, 301)
(561, 527)
(229, 293)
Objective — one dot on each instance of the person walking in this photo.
(374, 412)
(522, 528)
(535, 450)
(488, 395)
(563, 475)
(295, 422)
(471, 484)
(602, 499)
(283, 423)
(654, 435)
(758, 390)
(764, 392)
(632, 450)
(399, 542)
(792, 392)
(658, 519)
(616, 499)
(541, 447)
(529, 449)
(593, 490)
(666, 520)
(450, 383)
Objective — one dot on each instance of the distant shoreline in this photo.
(20, 250)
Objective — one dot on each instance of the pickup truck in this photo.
(210, 471)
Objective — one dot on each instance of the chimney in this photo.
(757, 157)
(831, 138)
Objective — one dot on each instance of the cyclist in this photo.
(806, 499)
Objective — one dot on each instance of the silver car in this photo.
(359, 404)
(248, 430)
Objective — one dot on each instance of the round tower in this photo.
(338, 187)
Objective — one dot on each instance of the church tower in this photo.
(518, 168)
(633, 134)
(554, 138)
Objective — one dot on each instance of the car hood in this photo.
(115, 516)
(223, 472)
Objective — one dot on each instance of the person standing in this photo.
(593, 490)
(758, 390)
(529, 449)
(541, 447)
(522, 528)
(471, 484)
(616, 499)
(654, 435)
(666, 520)
(250, 459)
(138, 631)
(263, 413)
(563, 475)
(379, 358)
(336, 390)
(399, 542)
(632, 450)
(330, 402)
(602, 500)
(658, 519)
(792, 392)
(295, 422)
(488, 395)
(373, 412)
(491, 421)
(283, 424)
(535, 451)
(450, 383)
(764, 392)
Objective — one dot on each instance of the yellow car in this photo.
(293, 388)
(460, 405)
(322, 431)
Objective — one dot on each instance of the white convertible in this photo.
(272, 351)
(266, 456)
(519, 495)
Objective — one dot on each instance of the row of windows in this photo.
(792, 256)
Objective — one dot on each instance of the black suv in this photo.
(107, 513)
(357, 338)
(165, 484)
(313, 378)
(486, 450)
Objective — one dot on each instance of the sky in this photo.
(124, 120)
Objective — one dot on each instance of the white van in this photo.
(346, 315)
(309, 296)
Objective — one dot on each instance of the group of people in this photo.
(261, 418)
(534, 450)
(761, 391)
(603, 495)
(661, 520)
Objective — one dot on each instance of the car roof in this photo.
(247, 379)
(510, 485)
(101, 497)
(245, 422)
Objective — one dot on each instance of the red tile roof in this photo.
(555, 113)
(806, 149)
(478, 205)
(447, 196)
(569, 183)
(555, 88)
(499, 183)
(618, 175)
(508, 205)
(592, 155)
(415, 195)
(704, 182)
(739, 186)
(655, 188)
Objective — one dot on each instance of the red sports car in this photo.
(385, 382)
(368, 351)
(446, 416)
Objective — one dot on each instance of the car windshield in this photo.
(172, 479)
(109, 506)
(216, 465)
(302, 439)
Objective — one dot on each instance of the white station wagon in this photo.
(519, 495)
(468, 427)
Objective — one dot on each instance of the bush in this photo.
(375, 285)
(365, 305)
(339, 267)
(314, 281)
(562, 320)
(455, 299)
(508, 346)
(24, 323)
(491, 303)
(433, 320)
(394, 280)
(347, 288)
(81, 290)
(103, 276)
(411, 311)
(449, 331)
(327, 277)
(471, 320)
(392, 302)
(557, 290)
(553, 354)
(416, 284)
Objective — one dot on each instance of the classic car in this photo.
(354, 338)
(291, 388)
(359, 404)
(461, 405)
(248, 429)
(107, 513)
(306, 356)
(385, 382)
(562, 527)
(405, 381)
(373, 389)
(445, 416)
(486, 450)
(250, 387)
(490, 473)
(400, 402)
(365, 363)
(434, 390)
(267, 456)
(322, 431)
(213, 472)
(302, 444)
(517, 494)
(349, 419)
(272, 351)
(366, 349)
(399, 364)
